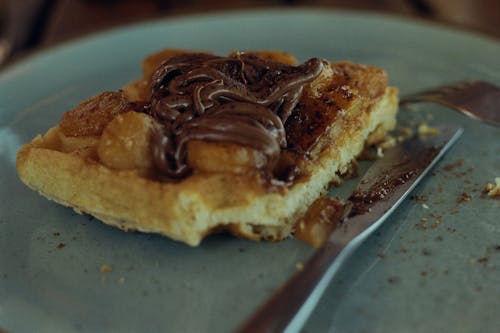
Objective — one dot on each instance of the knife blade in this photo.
(383, 187)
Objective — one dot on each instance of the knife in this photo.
(384, 186)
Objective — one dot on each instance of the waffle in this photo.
(98, 160)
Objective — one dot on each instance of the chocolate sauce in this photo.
(240, 99)
(403, 166)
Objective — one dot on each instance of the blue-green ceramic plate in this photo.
(408, 276)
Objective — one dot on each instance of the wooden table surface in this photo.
(31, 24)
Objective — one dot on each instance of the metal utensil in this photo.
(477, 99)
(385, 185)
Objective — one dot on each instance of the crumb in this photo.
(482, 260)
(56, 234)
(420, 226)
(299, 266)
(424, 206)
(394, 279)
(435, 224)
(422, 197)
(426, 130)
(454, 165)
(464, 197)
(388, 142)
(407, 131)
(121, 280)
(381, 255)
(493, 190)
(105, 268)
(423, 219)
(424, 273)
(380, 152)
(426, 252)
(61, 245)
(404, 134)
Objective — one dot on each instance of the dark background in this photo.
(26, 25)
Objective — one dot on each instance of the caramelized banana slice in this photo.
(90, 117)
(72, 143)
(206, 156)
(125, 142)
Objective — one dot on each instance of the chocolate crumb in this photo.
(424, 273)
(56, 234)
(418, 197)
(464, 197)
(394, 279)
(454, 165)
(436, 224)
(403, 250)
(421, 226)
(482, 260)
(61, 245)
(426, 252)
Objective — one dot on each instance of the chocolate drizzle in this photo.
(240, 99)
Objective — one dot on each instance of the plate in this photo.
(443, 274)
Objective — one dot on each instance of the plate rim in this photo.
(11, 67)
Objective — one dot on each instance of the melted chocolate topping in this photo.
(241, 99)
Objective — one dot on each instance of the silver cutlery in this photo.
(384, 186)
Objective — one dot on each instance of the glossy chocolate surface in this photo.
(240, 99)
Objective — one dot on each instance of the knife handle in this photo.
(293, 302)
